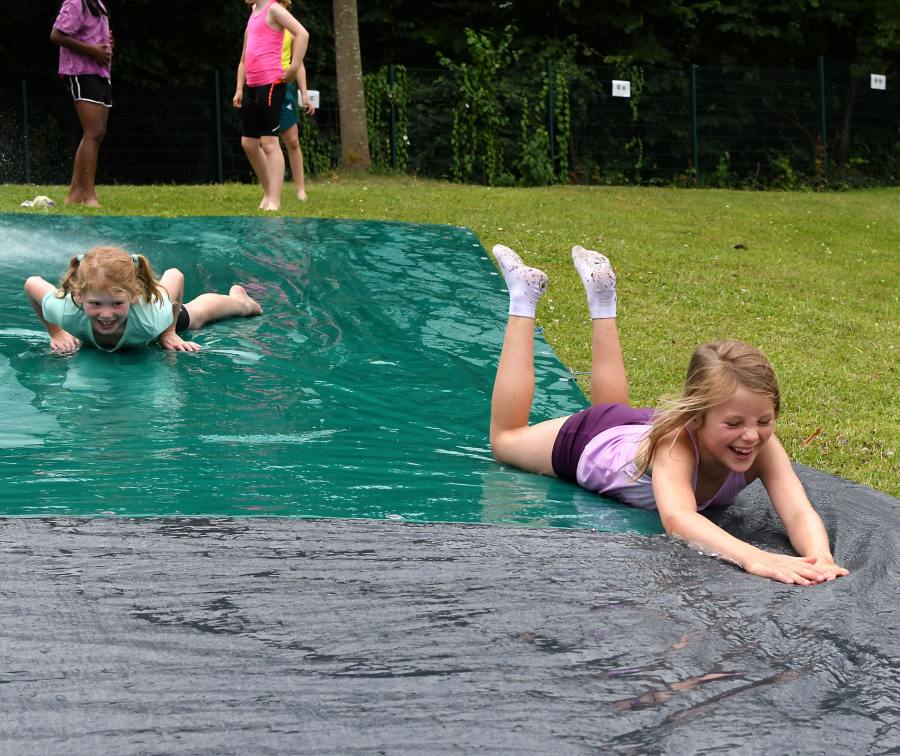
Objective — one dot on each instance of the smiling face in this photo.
(107, 311)
(733, 431)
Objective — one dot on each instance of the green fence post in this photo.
(696, 155)
(550, 117)
(25, 131)
(822, 113)
(393, 119)
(219, 130)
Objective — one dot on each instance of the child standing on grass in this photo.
(697, 452)
(290, 113)
(81, 30)
(111, 300)
(260, 68)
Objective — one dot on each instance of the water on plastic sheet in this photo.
(363, 391)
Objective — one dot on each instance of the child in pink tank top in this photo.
(260, 69)
(696, 451)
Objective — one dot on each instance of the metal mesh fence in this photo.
(749, 126)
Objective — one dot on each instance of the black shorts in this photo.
(183, 320)
(262, 110)
(89, 88)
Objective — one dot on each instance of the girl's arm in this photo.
(61, 341)
(300, 39)
(305, 103)
(673, 468)
(241, 76)
(803, 524)
(173, 282)
(101, 53)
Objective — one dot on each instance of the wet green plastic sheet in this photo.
(363, 392)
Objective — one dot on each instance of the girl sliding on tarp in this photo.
(111, 300)
(698, 451)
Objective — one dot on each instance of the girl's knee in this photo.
(95, 132)
(249, 144)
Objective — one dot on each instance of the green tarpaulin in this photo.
(363, 391)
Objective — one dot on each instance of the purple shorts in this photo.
(583, 426)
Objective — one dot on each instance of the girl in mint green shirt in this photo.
(111, 300)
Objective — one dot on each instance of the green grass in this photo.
(816, 289)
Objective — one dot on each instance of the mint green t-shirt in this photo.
(146, 320)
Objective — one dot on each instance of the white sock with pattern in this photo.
(599, 281)
(526, 285)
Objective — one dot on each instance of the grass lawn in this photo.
(816, 288)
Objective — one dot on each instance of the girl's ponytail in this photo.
(144, 273)
(65, 283)
(95, 8)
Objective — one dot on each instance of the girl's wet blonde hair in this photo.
(715, 372)
(112, 270)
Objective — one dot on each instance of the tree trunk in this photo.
(351, 99)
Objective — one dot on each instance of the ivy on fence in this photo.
(382, 97)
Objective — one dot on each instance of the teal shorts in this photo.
(289, 108)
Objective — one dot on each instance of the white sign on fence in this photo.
(879, 81)
(313, 95)
(621, 88)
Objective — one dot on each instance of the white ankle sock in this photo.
(599, 282)
(525, 285)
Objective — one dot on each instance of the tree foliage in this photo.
(181, 44)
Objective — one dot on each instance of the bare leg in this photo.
(93, 119)
(275, 169)
(292, 142)
(608, 380)
(210, 307)
(260, 165)
(513, 441)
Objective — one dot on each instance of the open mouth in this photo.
(742, 452)
(106, 325)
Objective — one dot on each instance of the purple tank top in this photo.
(262, 59)
(607, 466)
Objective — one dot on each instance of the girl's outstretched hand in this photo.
(64, 342)
(794, 570)
(172, 342)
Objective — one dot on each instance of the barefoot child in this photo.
(112, 300)
(290, 113)
(699, 451)
(81, 30)
(260, 67)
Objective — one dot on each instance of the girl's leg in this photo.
(93, 119)
(260, 165)
(292, 142)
(275, 169)
(608, 380)
(210, 307)
(513, 441)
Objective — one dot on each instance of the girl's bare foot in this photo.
(249, 307)
(91, 202)
(301, 195)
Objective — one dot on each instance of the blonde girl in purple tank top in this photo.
(698, 450)
(260, 69)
